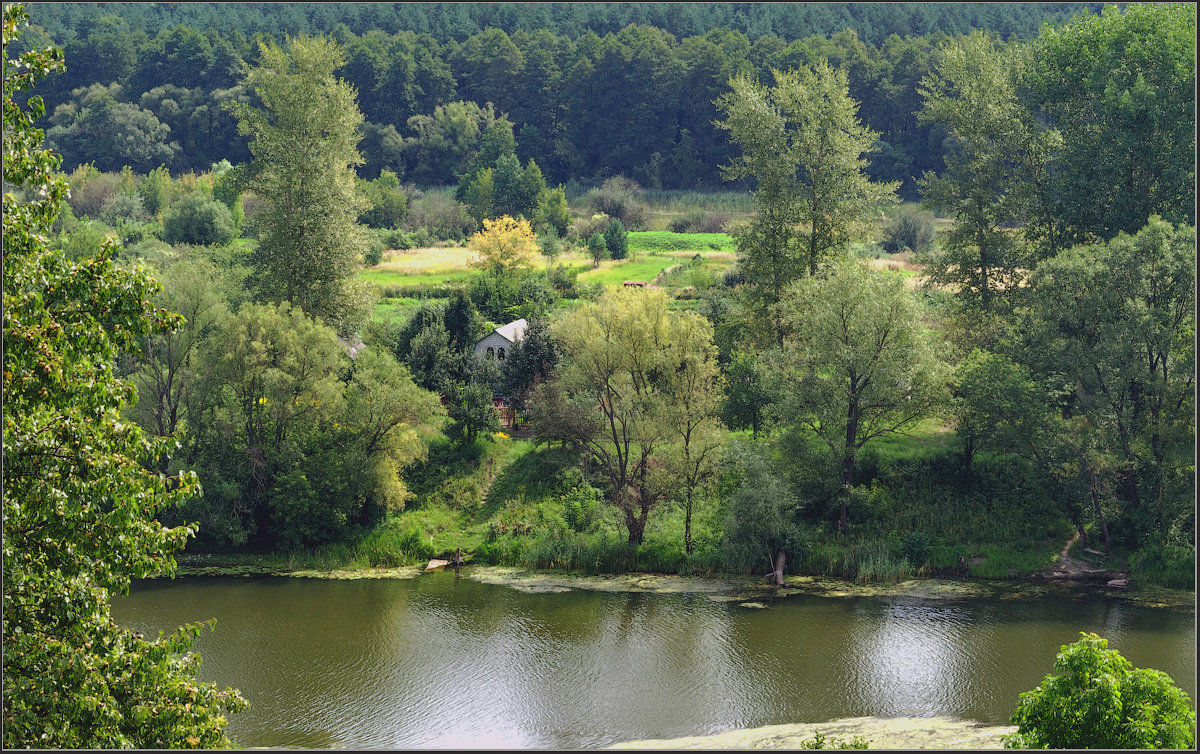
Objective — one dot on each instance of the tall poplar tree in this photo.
(804, 146)
(305, 144)
(996, 176)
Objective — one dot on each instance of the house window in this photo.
(500, 354)
(491, 353)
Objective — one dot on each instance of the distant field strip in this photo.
(666, 241)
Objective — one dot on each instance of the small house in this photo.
(497, 344)
(635, 283)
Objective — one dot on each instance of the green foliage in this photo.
(1120, 85)
(84, 240)
(1099, 700)
(619, 197)
(1165, 564)
(761, 522)
(908, 230)
(597, 248)
(441, 217)
(155, 190)
(820, 741)
(659, 241)
(616, 240)
(746, 393)
(79, 506)
(551, 212)
(200, 221)
(857, 364)
(804, 146)
(1116, 322)
(273, 391)
(995, 177)
(469, 405)
(388, 202)
(107, 128)
(304, 143)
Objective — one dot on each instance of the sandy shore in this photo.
(880, 732)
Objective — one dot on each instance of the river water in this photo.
(447, 662)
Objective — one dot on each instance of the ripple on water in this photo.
(446, 663)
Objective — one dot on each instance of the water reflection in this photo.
(442, 662)
(910, 660)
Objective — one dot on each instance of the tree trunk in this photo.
(780, 562)
(848, 462)
(687, 524)
(1094, 489)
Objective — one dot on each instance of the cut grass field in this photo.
(664, 241)
(613, 274)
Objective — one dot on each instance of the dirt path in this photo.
(1069, 568)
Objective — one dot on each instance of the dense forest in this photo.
(591, 90)
(864, 291)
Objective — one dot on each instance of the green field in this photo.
(383, 278)
(666, 241)
(615, 273)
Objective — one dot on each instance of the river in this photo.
(447, 662)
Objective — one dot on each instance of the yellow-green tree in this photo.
(633, 373)
(505, 245)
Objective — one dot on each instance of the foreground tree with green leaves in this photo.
(1100, 701)
(1114, 324)
(79, 505)
(629, 387)
(995, 177)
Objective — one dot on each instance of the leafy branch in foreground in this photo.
(79, 505)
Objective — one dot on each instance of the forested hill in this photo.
(590, 91)
(873, 22)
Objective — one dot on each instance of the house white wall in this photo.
(495, 341)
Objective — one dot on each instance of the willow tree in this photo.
(805, 148)
(629, 388)
(79, 499)
(858, 364)
(305, 146)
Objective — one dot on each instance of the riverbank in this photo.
(747, 591)
(880, 733)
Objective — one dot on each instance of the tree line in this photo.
(634, 99)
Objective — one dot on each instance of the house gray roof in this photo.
(513, 331)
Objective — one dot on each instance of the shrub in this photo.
(618, 197)
(597, 248)
(563, 279)
(699, 221)
(616, 240)
(122, 207)
(1163, 564)
(915, 547)
(373, 254)
(821, 741)
(389, 202)
(908, 230)
(1100, 701)
(90, 190)
(398, 239)
(200, 221)
(441, 216)
(85, 239)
